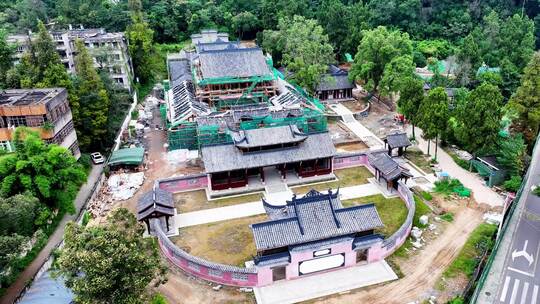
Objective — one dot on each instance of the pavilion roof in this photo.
(157, 200)
(398, 140)
(387, 166)
(314, 217)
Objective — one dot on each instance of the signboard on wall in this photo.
(320, 264)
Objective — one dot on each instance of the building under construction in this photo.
(220, 87)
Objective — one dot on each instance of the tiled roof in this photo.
(398, 140)
(228, 157)
(183, 104)
(389, 168)
(334, 82)
(240, 63)
(156, 200)
(268, 136)
(315, 217)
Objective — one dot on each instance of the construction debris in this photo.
(124, 185)
(423, 220)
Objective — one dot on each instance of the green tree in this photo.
(49, 172)
(517, 40)
(6, 60)
(245, 22)
(377, 48)
(525, 103)
(18, 214)
(115, 261)
(141, 48)
(10, 248)
(395, 74)
(478, 121)
(410, 99)
(305, 48)
(434, 115)
(511, 154)
(94, 100)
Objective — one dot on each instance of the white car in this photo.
(97, 158)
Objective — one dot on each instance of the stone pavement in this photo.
(481, 192)
(256, 208)
(324, 284)
(54, 240)
(357, 128)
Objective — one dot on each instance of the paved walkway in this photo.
(357, 128)
(324, 284)
(256, 208)
(54, 240)
(481, 192)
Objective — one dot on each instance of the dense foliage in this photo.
(111, 263)
(49, 172)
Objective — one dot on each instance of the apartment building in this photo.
(44, 110)
(109, 50)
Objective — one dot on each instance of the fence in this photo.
(348, 160)
(183, 183)
(201, 268)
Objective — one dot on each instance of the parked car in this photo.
(97, 158)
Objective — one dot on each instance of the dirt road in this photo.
(421, 271)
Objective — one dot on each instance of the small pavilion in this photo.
(399, 141)
(387, 169)
(155, 204)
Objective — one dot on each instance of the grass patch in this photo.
(421, 209)
(228, 242)
(418, 158)
(426, 195)
(447, 217)
(346, 178)
(460, 162)
(447, 187)
(392, 211)
(196, 200)
(468, 258)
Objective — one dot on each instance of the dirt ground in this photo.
(422, 269)
(380, 120)
(352, 147)
(355, 106)
(340, 134)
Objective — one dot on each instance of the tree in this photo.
(479, 119)
(245, 22)
(377, 48)
(305, 48)
(49, 172)
(141, 48)
(434, 115)
(111, 263)
(511, 154)
(18, 214)
(395, 74)
(10, 248)
(525, 103)
(410, 99)
(94, 100)
(6, 60)
(518, 31)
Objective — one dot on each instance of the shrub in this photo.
(427, 196)
(537, 191)
(159, 299)
(513, 183)
(448, 217)
(86, 161)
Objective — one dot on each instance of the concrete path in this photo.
(55, 239)
(481, 192)
(324, 284)
(357, 128)
(256, 208)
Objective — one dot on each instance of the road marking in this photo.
(505, 289)
(534, 295)
(524, 292)
(514, 292)
(523, 253)
(521, 271)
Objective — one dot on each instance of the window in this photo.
(193, 266)
(119, 80)
(57, 37)
(35, 120)
(215, 273)
(116, 57)
(240, 277)
(4, 145)
(15, 121)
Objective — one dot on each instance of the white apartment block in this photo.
(109, 50)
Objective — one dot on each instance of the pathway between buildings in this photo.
(256, 208)
(55, 239)
(481, 192)
(357, 128)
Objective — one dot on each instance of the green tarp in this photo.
(130, 156)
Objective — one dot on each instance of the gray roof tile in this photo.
(240, 63)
